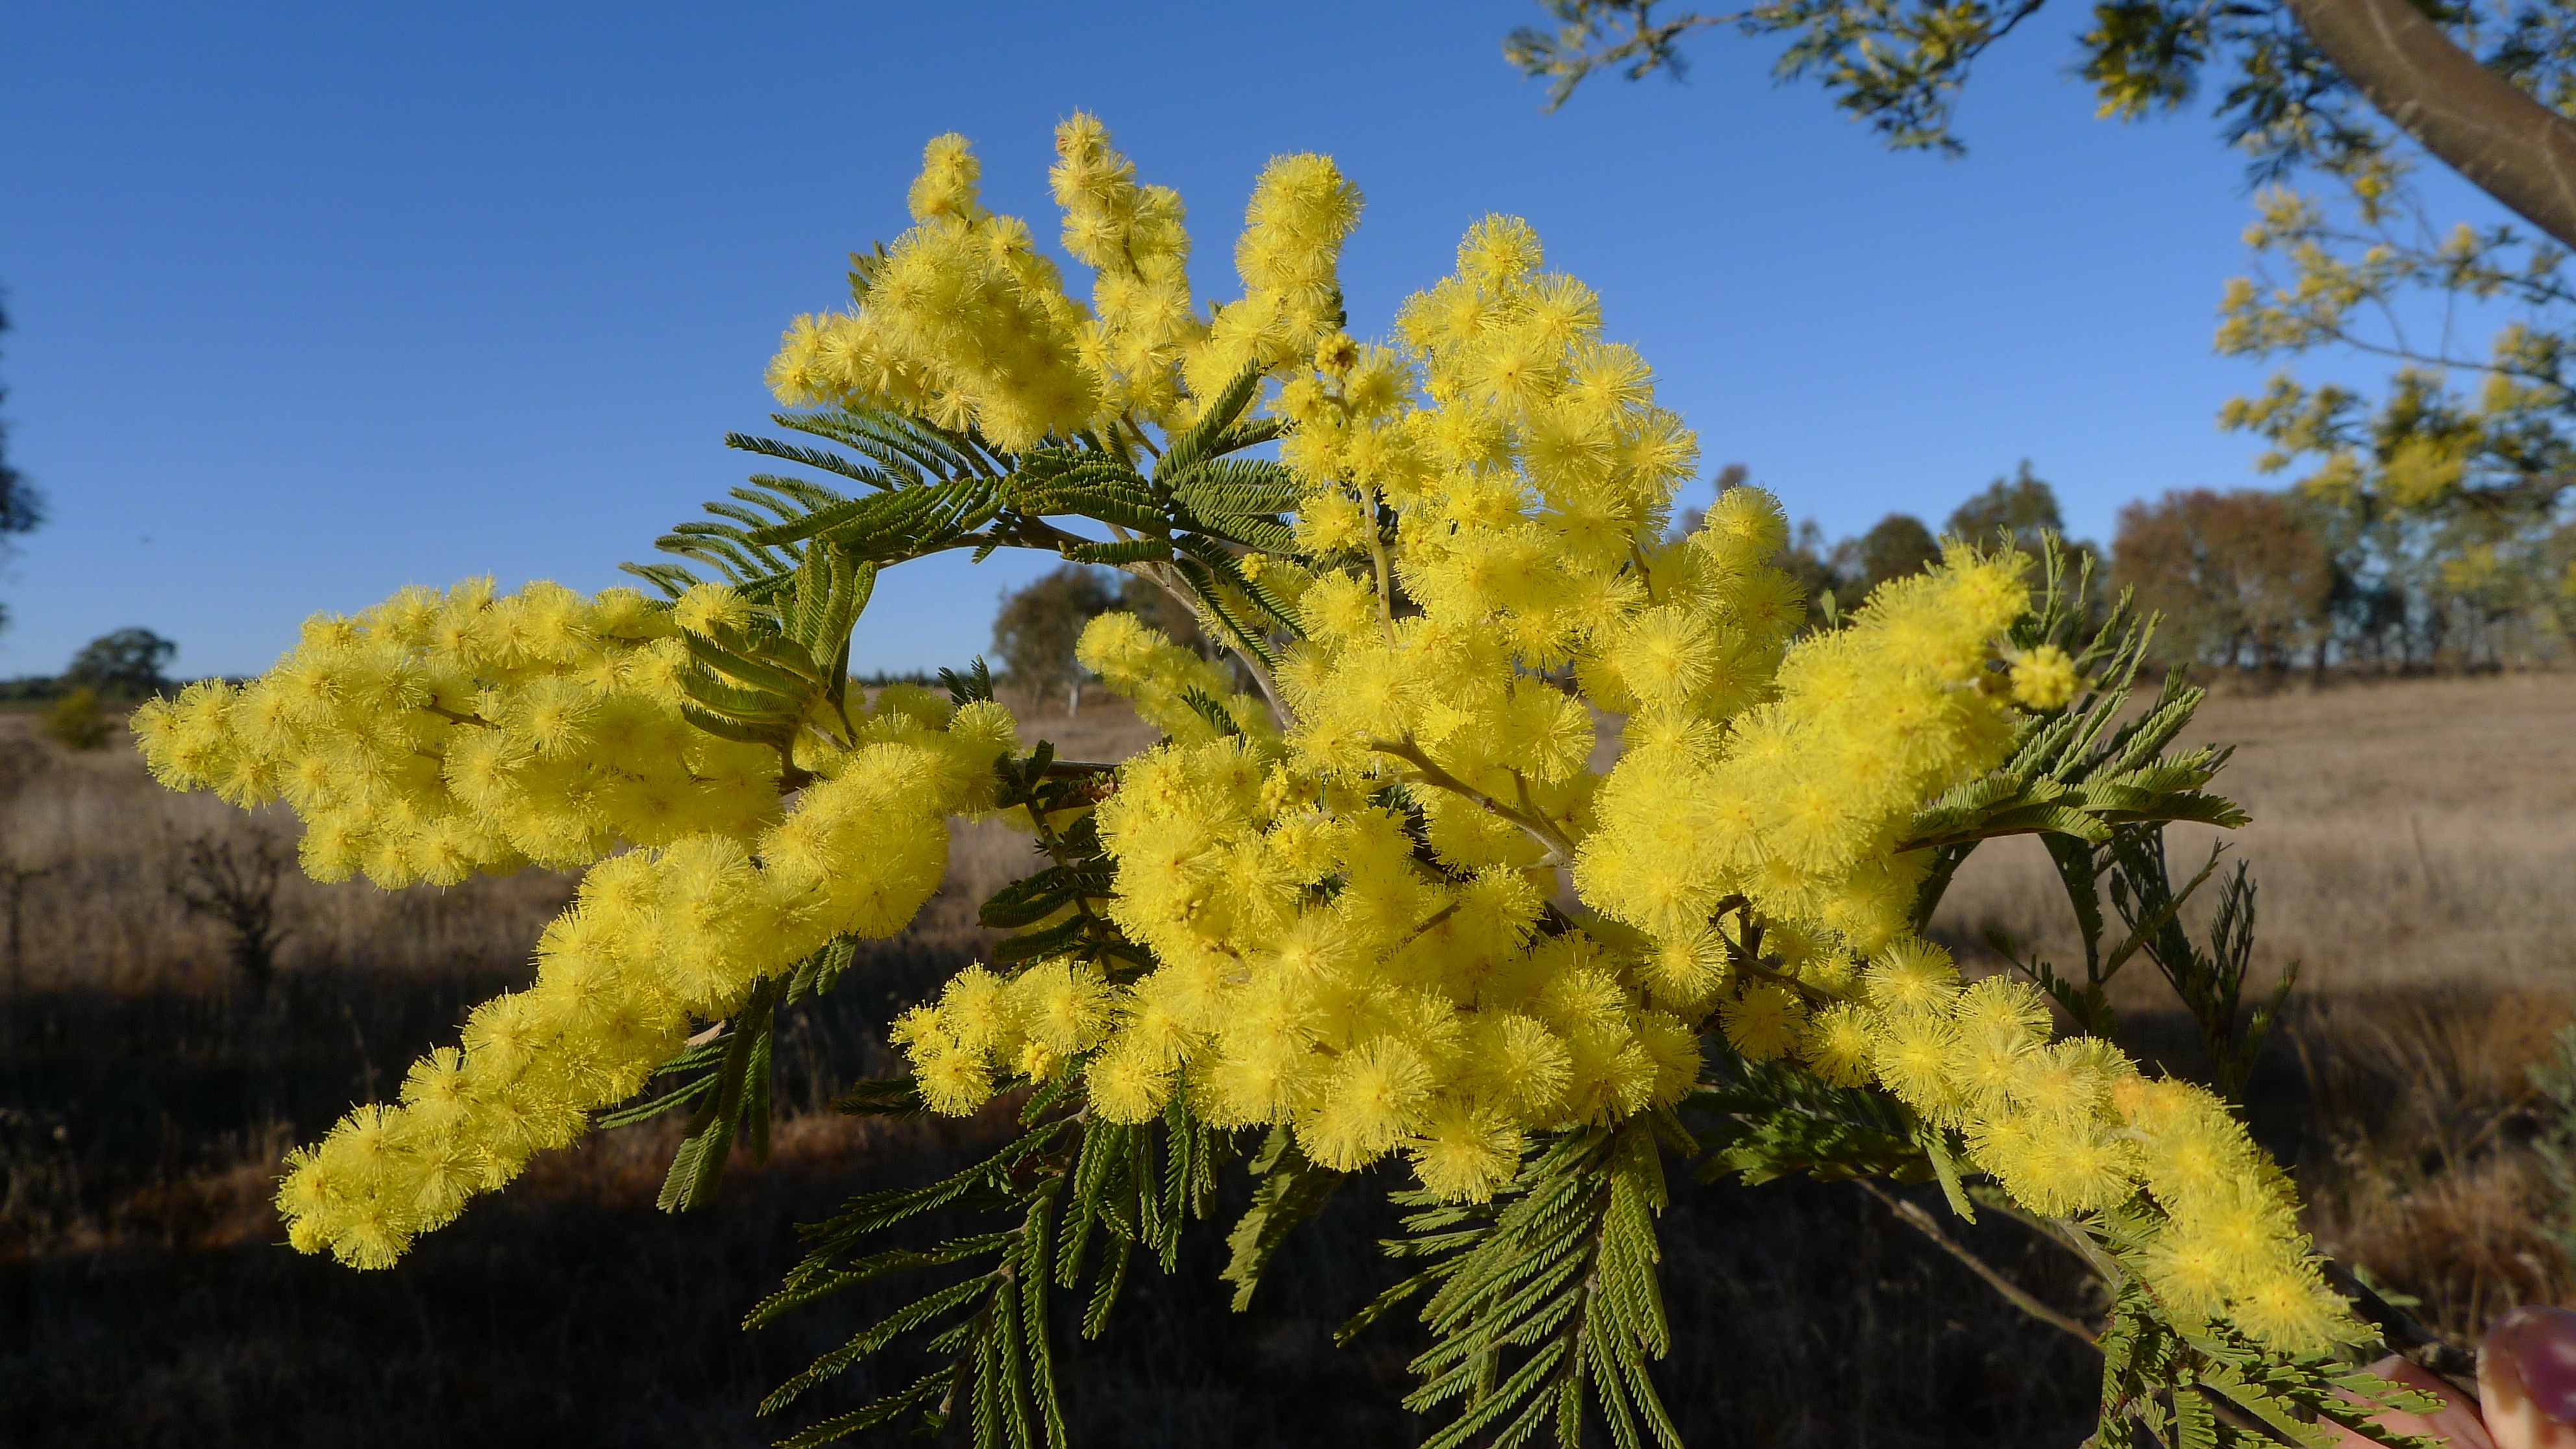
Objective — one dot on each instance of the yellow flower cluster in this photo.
(1132, 238)
(1159, 677)
(1535, 795)
(2070, 1127)
(963, 322)
(1288, 257)
(2043, 678)
(2228, 1240)
(1354, 908)
(439, 734)
(434, 735)
(1796, 804)
(1026, 1025)
(1315, 968)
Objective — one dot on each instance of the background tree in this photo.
(76, 722)
(2241, 578)
(1809, 560)
(1034, 633)
(2022, 505)
(2301, 79)
(1837, 576)
(21, 507)
(234, 884)
(1896, 545)
(2026, 507)
(2452, 503)
(127, 662)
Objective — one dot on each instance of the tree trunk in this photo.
(2512, 147)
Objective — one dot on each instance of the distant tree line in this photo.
(2251, 579)
(2303, 577)
(2256, 579)
(922, 678)
(1838, 576)
(129, 664)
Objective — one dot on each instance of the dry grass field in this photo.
(2416, 844)
(92, 854)
(2406, 833)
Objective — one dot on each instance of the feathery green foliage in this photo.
(1543, 1304)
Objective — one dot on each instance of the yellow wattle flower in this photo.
(1537, 800)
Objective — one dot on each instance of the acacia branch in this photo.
(2336, 333)
(1807, 991)
(2508, 145)
(2066, 1236)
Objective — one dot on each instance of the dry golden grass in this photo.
(2405, 832)
(2419, 1117)
(93, 849)
(1104, 729)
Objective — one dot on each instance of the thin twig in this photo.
(1377, 552)
(1161, 576)
(1536, 825)
(2404, 1335)
(1814, 995)
(1919, 1220)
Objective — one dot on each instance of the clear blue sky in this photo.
(314, 302)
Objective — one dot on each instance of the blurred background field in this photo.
(2415, 841)
(2407, 833)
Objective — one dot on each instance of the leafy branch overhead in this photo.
(2428, 523)
(2485, 86)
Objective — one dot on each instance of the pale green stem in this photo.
(1534, 824)
(1377, 551)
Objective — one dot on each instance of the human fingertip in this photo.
(2527, 1379)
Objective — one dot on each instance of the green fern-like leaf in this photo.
(1546, 1302)
(1210, 435)
(1292, 1190)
